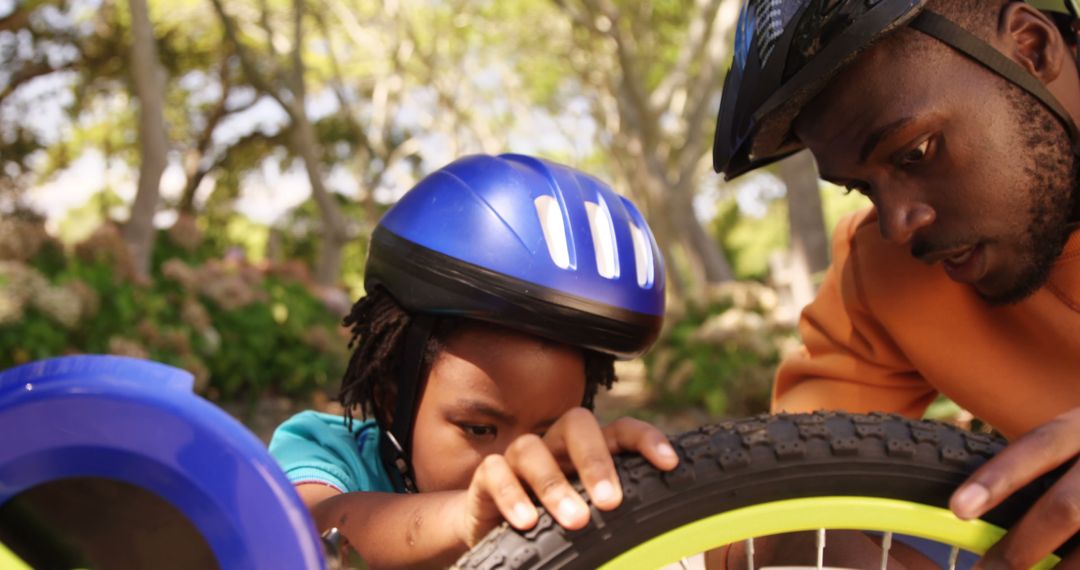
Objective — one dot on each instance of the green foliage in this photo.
(80, 221)
(659, 28)
(165, 249)
(50, 259)
(35, 337)
(719, 353)
(748, 241)
(242, 331)
(299, 235)
(288, 343)
(17, 144)
(837, 203)
(354, 257)
(273, 343)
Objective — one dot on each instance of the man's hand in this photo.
(1054, 518)
(575, 443)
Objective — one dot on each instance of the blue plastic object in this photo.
(139, 422)
(486, 223)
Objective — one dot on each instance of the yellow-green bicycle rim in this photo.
(836, 513)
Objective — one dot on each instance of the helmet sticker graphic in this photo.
(763, 23)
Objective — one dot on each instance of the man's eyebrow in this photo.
(484, 409)
(879, 135)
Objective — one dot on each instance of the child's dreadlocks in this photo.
(378, 327)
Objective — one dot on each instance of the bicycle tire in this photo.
(763, 459)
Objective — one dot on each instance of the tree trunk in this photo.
(194, 169)
(193, 176)
(698, 243)
(809, 242)
(302, 136)
(371, 209)
(149, 80)
(335, 233)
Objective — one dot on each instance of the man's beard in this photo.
(1053, 185)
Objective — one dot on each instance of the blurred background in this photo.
(194, 181)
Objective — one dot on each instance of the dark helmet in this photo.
(521, 242)
(787, 51)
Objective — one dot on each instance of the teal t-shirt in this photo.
(317, 448)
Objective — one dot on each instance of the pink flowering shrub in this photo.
(241, 330)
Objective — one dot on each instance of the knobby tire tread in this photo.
(761, 459)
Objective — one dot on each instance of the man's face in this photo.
(963, 168)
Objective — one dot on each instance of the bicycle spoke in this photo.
(750, 554)
(820, 549)
(683, 564)
(953, 555)
(886, 546)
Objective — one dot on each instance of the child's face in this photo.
(487, 387)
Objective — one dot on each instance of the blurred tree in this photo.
(630, 87)
(202, 118)
(809, 252)
(45, 38)
(34, 42)
(149, 81)
(651, 74)
(86, 44)
(460, 51)
(281, 76)
(370, 92)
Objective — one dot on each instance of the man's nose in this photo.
(901, 218)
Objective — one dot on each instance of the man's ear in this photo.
(1031, 39)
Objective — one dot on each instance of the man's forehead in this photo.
(883, 78)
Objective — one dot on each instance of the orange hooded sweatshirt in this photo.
(888, 332)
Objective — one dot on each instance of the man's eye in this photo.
(479, 431)
(916, 154)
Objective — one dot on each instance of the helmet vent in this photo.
(603, 238)
(643, 261)
(551, 222)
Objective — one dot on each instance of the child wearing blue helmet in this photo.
(499, 292)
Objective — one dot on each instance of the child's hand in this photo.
(575, 443)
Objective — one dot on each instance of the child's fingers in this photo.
(582, 446)
(496, 481)
(532, 461)
(590, 457)
(629, 434)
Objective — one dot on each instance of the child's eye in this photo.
(478, 431)
(916, 154)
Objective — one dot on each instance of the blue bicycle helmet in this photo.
(521, 242)
(786, 52)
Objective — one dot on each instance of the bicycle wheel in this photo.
(770, 475)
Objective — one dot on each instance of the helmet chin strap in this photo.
(395, 443)
(944, 30)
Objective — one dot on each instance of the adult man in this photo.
(957, 119)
